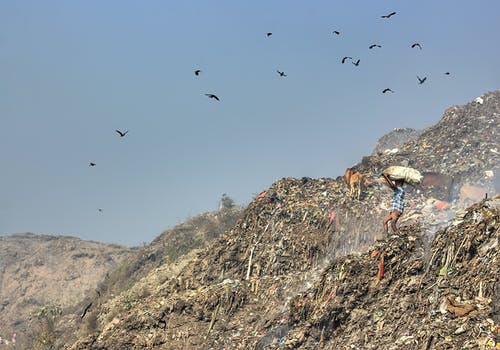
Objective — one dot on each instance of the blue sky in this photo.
(74, 71)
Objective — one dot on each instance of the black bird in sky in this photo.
(91, 164)
(197, 72)
(282, 74)
(373, 45)
(212, 96)
(356, 63)
(336, 32)
(421, 80)
(269, 34)
(447, 73)
(122, 134)
(416, 45)
(100, 210)
(387, 90)
(345, 58)
(389, 15)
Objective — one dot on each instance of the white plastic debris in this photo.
(391, 151)
(489, 173)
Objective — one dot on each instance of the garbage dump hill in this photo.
(464, 144)
(460, 157)
(395, 139)
(302, 268)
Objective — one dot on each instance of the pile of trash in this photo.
(308, 265)
(392, 141)
(460, 157)
(465, 144)
(400, 295)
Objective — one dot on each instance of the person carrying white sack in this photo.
(397, 204)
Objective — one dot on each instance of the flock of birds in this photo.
(344, 60)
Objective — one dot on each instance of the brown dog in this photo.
(354, 180)
(347, 175)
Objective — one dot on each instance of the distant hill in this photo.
(302, 267)
(42, 272)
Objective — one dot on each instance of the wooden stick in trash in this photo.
(322, 336)
(448, 259)
(327, 228)
(267, 226)
(249, 269)
(332, 293)
(429, 343)
(214, 316)
(458, 250)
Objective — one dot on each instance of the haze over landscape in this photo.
(75, 72)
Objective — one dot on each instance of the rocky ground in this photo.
(307, 266)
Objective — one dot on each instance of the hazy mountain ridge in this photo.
(41, 270)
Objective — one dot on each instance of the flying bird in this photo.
(373, 45)
(100, 210)
(91, 164)
(282, 74)
(356, 63)
(336, 32)
(421, 80)
(122, 134)
(447, 73)
(389, 15)
(345, 58)
(387, 90)
(212, 96)
(416, 45)
(269, 34)
(197, 72)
